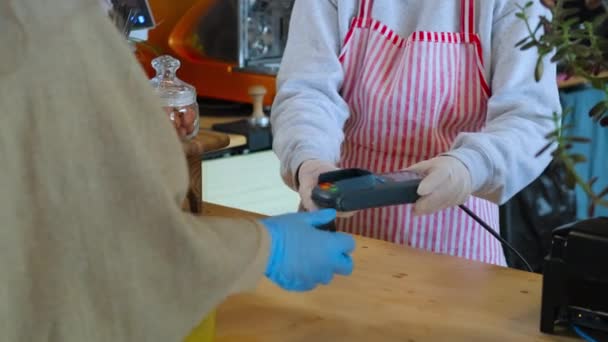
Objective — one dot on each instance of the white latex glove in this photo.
(446, 183)
(308, 177)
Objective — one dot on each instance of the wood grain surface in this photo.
(236, 140)
(206, 141)
(395, 294)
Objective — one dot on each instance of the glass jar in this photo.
(178, 98)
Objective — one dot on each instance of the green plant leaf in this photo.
(544, 149)
(528, 46)
(603, 193)
(582, 51)
(553, 134)
(591, 210)
(598, 83)
(538, 71)
(567, 111)
(578, 158)
(522, 42)
(559, 55)
(592, 181)
(568, 12)
(567, 127)
(570, 22)
(578, 139)
(598, 110)
(599, 19)
(570, 179)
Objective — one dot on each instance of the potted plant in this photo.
(574, 277)
(580, 50)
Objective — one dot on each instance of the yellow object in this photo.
(205, 331)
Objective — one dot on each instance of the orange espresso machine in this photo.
(226, 47)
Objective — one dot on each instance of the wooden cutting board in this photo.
(206, 141)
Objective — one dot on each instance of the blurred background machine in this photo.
(230, 51)
(225, 46)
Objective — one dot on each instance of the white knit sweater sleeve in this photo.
(502, 157)
(308, 114)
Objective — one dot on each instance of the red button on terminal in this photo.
(325, 186)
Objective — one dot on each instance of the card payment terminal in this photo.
(356, 189)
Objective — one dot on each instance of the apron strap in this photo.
(467, 16)
(365, 9)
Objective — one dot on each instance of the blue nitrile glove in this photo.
(302, 256)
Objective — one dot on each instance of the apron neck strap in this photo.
(467, 16)
(365, 9)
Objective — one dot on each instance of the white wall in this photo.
(250, 182)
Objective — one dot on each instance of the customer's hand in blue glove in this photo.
(302, 256)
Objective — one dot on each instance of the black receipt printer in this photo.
(575, 278)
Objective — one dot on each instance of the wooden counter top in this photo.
(395, 294)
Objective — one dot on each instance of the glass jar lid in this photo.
(172, 91)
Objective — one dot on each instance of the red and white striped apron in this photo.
(409, 98)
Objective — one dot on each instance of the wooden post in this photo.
(194, 198)
(205, 141)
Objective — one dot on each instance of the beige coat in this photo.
(93, 243)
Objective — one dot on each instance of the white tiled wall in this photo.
(250, 182)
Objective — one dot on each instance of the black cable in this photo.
(496, 235)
